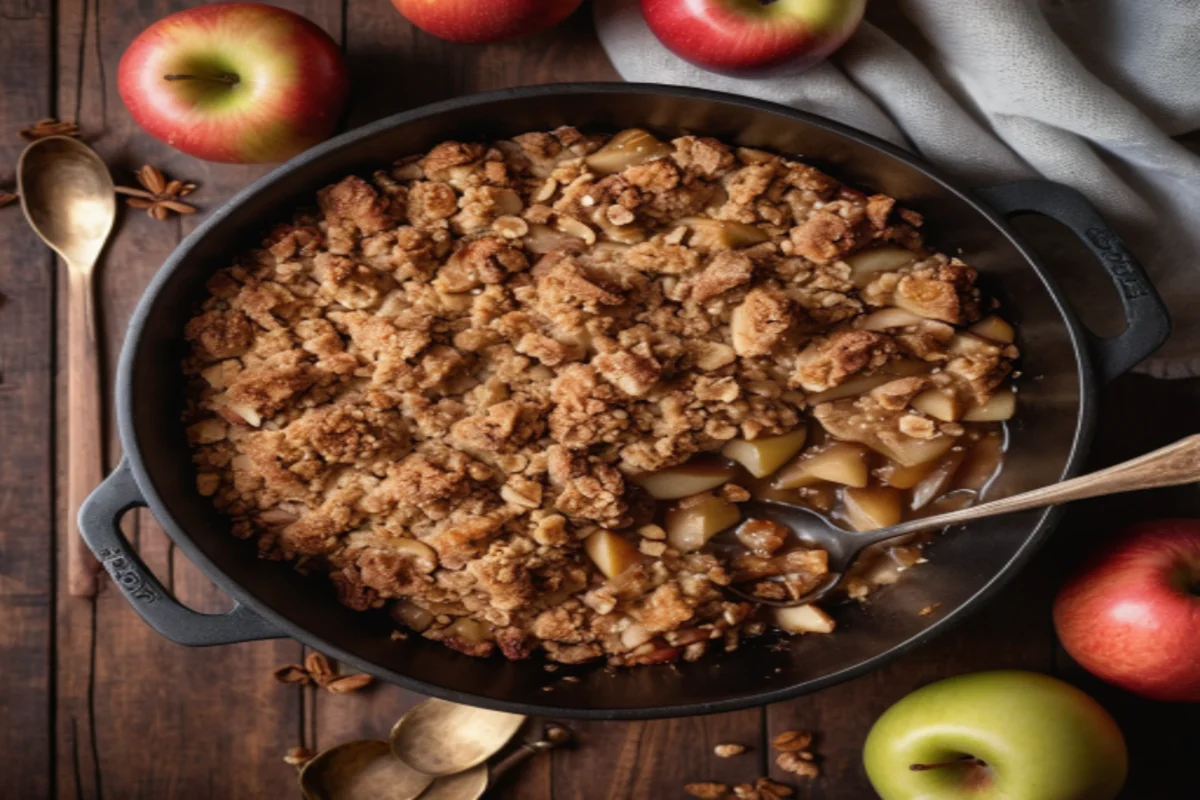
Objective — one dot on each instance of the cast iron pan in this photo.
(1061, 367)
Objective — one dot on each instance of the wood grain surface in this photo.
(93, 704)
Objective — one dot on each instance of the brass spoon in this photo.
(367, 770)
(68, 197)
(442, 738)
(1172, 465)
(471, 785)
(361, 770)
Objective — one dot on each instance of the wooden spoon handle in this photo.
(1172, 465)
(85, 425)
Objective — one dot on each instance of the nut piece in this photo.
(652, 531)
(292, 673)
(652, 548)
(770, 790)
(510, 227)
(708, 790)
(791, 741)
(349, 683)
(319, 668)
(797, 764)
(729, 750)
(299, 756)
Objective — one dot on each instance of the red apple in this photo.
(478, 21)
(239, 82)
(1131, 615)
(738, 36)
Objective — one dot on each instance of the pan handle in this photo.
(99, 522)
(1147, 323)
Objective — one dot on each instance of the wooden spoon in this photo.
(1172, 465)
(68, 197)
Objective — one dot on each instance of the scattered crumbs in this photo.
(399, 636)
(547, 688)
(929, 609)
(570, 679)
(729, 750)
(551, 667)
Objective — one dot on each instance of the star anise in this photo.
(158, 196)
(49, 127)
(8, 198)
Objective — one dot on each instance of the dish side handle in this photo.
(99, 523)
(1147, 323)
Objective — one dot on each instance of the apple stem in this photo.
(227, 78)
(964, 760)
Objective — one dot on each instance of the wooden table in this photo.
(94, 704)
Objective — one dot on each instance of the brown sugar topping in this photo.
(438, 381)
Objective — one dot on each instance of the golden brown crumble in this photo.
(436, 383)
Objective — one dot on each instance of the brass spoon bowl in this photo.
(1172, 465)
(471, 785)
(361, 770)
(442, 738)
(68, 197)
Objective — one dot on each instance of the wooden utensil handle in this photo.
(85, 425)
(1172, 465)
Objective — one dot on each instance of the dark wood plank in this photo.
(396, 66)
(653, 760)
(26, 381)
(1162, 738)
(117, 677)
(215, 723)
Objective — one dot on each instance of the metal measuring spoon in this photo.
(1172, 465)
(361, 770)
(442, 738)
(68, 197)
(471, 785)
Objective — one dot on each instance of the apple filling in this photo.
(859, 487)
(516, 393)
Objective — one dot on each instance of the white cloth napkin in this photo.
(1084, 92)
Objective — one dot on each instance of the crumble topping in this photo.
(439, 381)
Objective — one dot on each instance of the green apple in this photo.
(1005, 735)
